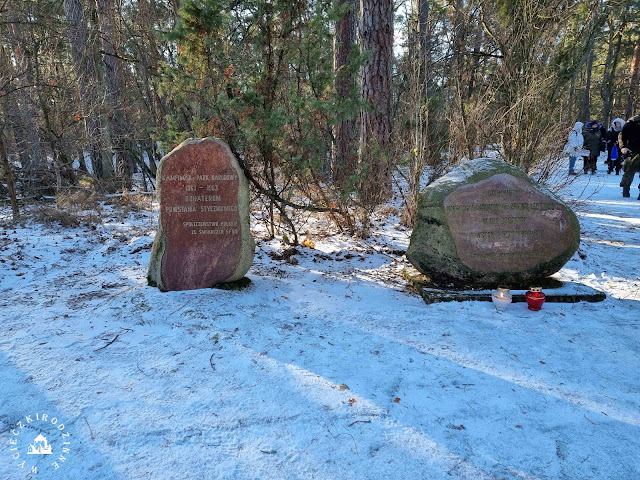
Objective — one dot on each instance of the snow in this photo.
(325, 369)
(464, 170)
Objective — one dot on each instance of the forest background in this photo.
(323, 102)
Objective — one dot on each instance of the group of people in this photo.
(621, 142)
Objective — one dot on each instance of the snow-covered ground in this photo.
(328, 368)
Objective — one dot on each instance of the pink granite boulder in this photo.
(204, 237)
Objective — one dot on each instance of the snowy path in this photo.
(319, 370)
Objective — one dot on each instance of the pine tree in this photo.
(376, 38)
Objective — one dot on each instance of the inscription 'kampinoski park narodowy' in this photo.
(201, 195)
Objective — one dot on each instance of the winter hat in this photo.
(618, 120)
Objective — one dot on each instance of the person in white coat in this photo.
(574, 144)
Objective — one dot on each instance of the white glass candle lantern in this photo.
(501, 298)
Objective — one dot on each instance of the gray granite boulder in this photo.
(489, 223)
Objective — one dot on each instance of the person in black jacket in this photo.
(629, 141)
(614, 157)
(592, 142)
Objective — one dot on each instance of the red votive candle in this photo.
(535, 298)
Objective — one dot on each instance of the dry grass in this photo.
(64, 218)
(387, 211)
(77, 200)
(73, 208)
(131, 202)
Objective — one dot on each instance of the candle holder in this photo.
(535, 298)
(501, 298)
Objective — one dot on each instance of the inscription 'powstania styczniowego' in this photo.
(505, 224)
(204, 237)
(199, 196)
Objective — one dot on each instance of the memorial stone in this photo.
(487, 223)
(204, 236)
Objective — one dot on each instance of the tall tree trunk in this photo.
(48, 127)
(425, 77)
(111, 41)
(82, 164)
(12, 112)
(595, 25)
(8, 175)
(25, 116)
(423, 26)
(567, 113)
(610, 65)
(420, 84)
(150, 62)
(83, 52)
(23, 135)
(585, 108)
(475, 62)
(376, 33)
(632, 96)
(459, 62)
(344, 133)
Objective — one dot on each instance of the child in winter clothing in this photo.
(574, 143)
